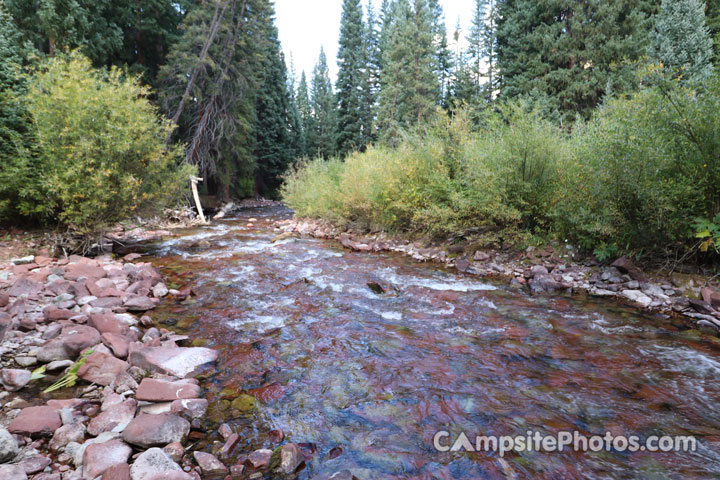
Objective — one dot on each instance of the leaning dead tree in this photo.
(208, 79)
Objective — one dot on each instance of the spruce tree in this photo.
(372, 75)
(274, 150)
(443, 58)
(681, 39)
(297, 137)
(713, 20)
(322, 134)
(570, 53)
(305, 112)
(209, 87)
(408, 91)
(352, 60)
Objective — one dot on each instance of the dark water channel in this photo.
(367, 379)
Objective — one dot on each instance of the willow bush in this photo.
(98, 153)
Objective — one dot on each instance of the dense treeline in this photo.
(208, 87)
(590, 122)
(214, 69)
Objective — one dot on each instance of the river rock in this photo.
(260, 458)
(106, 323)
(147, 431)
(637, 296)
(153, 390)
(34, 421)
(117, 343)
(4, 299)
(139, 304)
(12, 472)
(72, 432)
(101, 456)
(8, 446)
(102, 368)
(209, 464)
(177, 361)
(286, 459)
(14, 379)
(25, 286)
(85, 268)
(625, 265)
(155, 462)
(117, 472)
(72, 340)
(175, 450)
(115, 418)
(190, 408)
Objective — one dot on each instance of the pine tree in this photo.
(372, 75)
(352, 60)
(570, 53)
(681, 39)
(443, 58)
(297, 137)
(274, 149)
(209, 87)
(713, 19)
(322, 134)
(305, 112)
(408, 91)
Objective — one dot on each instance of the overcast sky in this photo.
(305, 25)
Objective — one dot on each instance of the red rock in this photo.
(260, 458)
(209, 464)
(190, 408)
(153, 390)
(139, 304)
(77, 338)
(36, 421)
(625, 265)
(117, 472)
(17, 308)
(230, 444)
(72, 432)
(112, 418)
(98, 457)
(107, 302)
(237, 470)
(87, 269)
(4, 299)
(35, 463)
(25, 286)
(14, 379)
(6, 324)
(290, 459)
(117, 343)
(175, 450)
(176, 361)
(53, 313)
(147, 430)
(225, 431)
(268, 393)
(102, 368)
(106, 323)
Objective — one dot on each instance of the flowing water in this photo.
(365, 380)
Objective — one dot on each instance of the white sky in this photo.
(305, 25)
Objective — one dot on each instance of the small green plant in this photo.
(708, 231)
(605, 251)
(70, 377)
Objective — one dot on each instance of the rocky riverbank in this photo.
(130, 404)
(544, 270)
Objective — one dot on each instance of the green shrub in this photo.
(643, 168)
(99, 151)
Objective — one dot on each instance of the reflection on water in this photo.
(370, 377)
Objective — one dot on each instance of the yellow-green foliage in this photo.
(637, 178)
(439, 181)
(99, 152)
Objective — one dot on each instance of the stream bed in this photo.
(365, 377)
